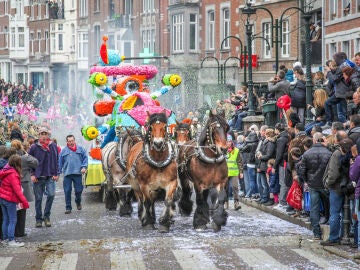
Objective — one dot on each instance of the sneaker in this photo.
(68, 211)
(47, 222)
(38, 224)
(329, 243)
(323, 220)
(13, 243)
(290, 213)
(262, 201)
(79, 207)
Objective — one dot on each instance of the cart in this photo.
(95, 177)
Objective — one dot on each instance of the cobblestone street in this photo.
(95, 238)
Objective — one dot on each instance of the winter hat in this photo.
(254, 127)
(297, 64)
(229, 138)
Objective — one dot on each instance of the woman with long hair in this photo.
(318, 110)
(11, 195)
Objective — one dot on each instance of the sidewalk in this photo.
(344, 251)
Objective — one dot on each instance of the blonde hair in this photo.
(271, 162)
(269, 132)
(17, 145)
(320, 96)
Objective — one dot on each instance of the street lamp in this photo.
(249, 11)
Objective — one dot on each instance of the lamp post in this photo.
(249, 11)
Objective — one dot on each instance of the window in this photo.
(178, 33)
(226, 27)
(111, 8)
(267, 36)
(46, 41)
(148, 5)
(345, 47)
(97, 38)
(39, 11)
(39, 40)
(332, 49)
(83, 46)
(357, 45)
(21, 31)
(83, 8)
(60, 27)
(346, 7)
(60, 42)
(32, 12)
(53, 42)
(211, 30)
(357, 5)
(144, 39)
(193, 35)
(72, 46)
(96, 5)
(46, 12)
(6, 33)
(285, 46)
(20, 8)
(13, 37)
(31, 37)
(128, 6)
(333, 4)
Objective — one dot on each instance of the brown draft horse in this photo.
(152, 167)
(182, 133)
(113, 159)
(203, 163)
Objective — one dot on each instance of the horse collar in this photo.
(158, 164)
(202, 156)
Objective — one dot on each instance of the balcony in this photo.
(120, 21)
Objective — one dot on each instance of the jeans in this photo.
(283, 188)
(9, 219)
(310, 126)
(336, 205)
(316, 195)
(238, 124)
(252, 180)
(300, 112)
(78, 187)
(357, 211)
(246, 182)
(44, 186)
(341, 108)
(262, 182)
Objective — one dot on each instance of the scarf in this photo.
(45, 144)
(72, 148)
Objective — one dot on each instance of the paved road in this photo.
(97, 239)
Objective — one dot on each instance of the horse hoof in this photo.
(125, 215)
(163, 229)
(216, 227)
(200, 228)
(112, 209)
(149, 227)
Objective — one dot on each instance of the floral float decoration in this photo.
(127, 99)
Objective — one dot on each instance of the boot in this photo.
(237, 205)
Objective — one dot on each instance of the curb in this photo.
(298, 221)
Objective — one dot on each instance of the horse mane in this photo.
(211, 119)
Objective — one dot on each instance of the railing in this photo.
(120, 21)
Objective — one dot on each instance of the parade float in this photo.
(122, 93)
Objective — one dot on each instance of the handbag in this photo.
(294, 197)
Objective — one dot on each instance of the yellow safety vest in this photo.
(233, 169)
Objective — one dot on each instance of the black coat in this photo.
(249, 147)
(282, 144)
(298, 96)
(16, 135)
(354, 134)
(267, 150)
(312, 166)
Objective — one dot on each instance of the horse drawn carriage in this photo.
(144, 160)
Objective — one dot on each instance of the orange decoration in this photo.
(129, 103)
(187, 121)
(103, 107)
(95, 153)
